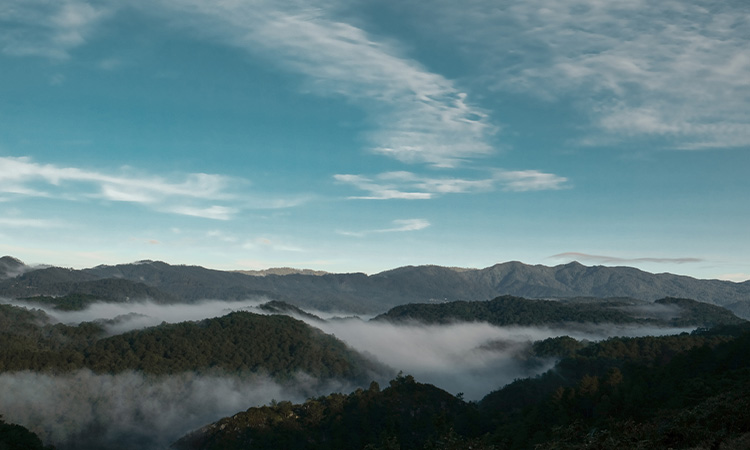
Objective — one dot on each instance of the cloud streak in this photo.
(614, 259)
(399, 226)
(21, 177)
(410, 186)
(47, 28)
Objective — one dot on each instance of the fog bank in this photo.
(473, 358)
(83, 410)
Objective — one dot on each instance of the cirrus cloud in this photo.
(603, 259)
(398, 226)
(410, 186)
(22, 177)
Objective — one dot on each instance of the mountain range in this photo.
(365, 294)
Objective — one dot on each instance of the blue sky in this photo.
(363, 136)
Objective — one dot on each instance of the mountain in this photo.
(509, 310)
(363, 294)
(11, 267)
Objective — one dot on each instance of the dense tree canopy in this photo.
(679, 392)
(509, 310)
(238, 342)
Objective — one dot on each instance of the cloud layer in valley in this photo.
(83, 410)
(473, 358)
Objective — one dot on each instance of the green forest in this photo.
(510, 310)
(239, 342)
(690, 391)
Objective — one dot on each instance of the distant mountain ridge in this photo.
(367, 294)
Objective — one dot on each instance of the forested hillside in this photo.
(238, 342)
(508, 310)
(687, 391)
(17, 437)
(405, 415)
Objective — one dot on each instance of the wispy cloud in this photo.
(211, 212)
(49, 29)
(410, 186)
(603, 259)
(21, 177)
(529, 180)
(677, 70)
(275, 244)
(21, 222)
(420, 116)
(398, 226)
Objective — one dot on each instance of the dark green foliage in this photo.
(650, 392)
(508, 310)
(279, 307)
(75, 289)
(16, 437)
(556, 347)
(70, 302)
(698, 313)
(238, 342)
(241, 341)
(28, 341)
(405, 415)
(690, 391)
(16, 320)
(11, 267)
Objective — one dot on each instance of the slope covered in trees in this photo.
(508, 310)
(405, 415)
(687, 391)
(238, 342)
(17, 437)
(654, 392)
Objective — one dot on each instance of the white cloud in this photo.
(212, 212)
(23, 177)
(398, 226)
(47, 28)
(268, 243)
(379, 190)
(677, 70)
(20, 222)
(529, 180)
(421, 116)
(410, 186)
(604, 259)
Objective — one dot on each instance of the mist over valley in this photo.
(85, 365)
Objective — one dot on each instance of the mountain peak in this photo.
(11, 261)
(11, 267)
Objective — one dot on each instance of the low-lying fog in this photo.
(469, 358)
(129, 410)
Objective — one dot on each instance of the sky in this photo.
(364, 136)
